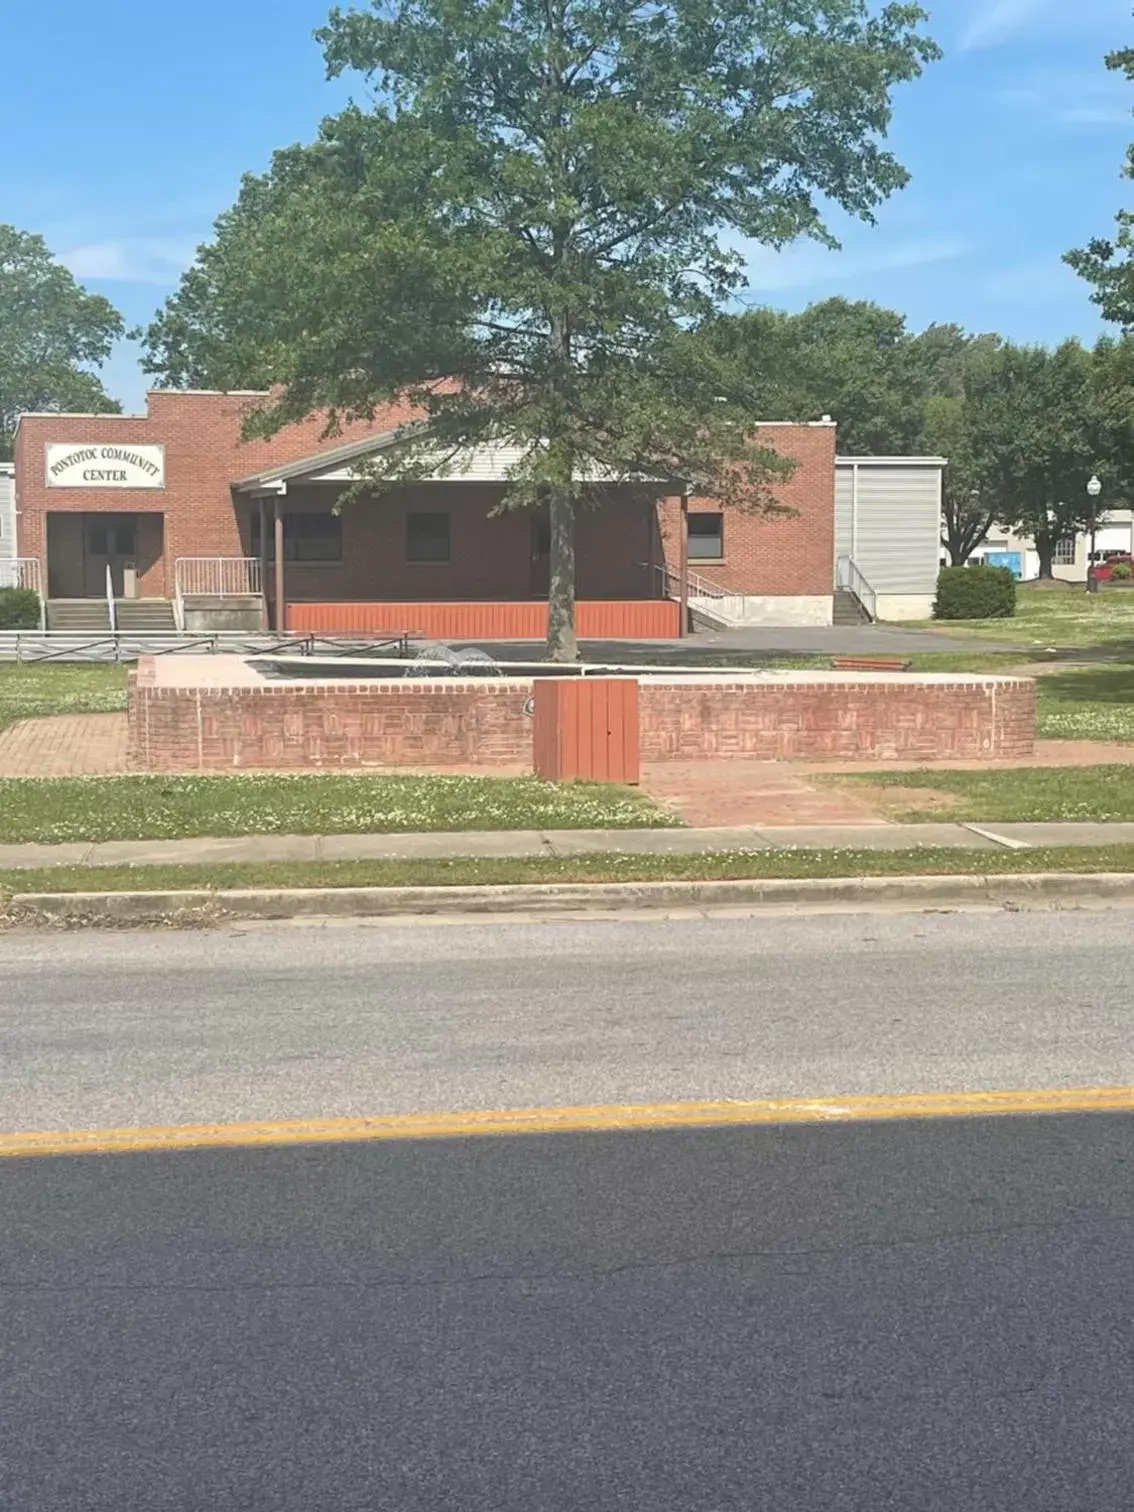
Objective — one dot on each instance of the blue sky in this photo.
(127, 126)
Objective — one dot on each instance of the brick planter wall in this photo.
(177, 724)
(851, 718)
(309, 727)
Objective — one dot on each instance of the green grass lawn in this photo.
(473, 871)
(1055, 618)
(1086, 703)
(160, 808)
(1024, 794)
(29, 690)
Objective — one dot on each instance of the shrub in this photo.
(1122, 572)
(19, 609)
(975, 593)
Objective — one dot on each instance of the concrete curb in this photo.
(201, 908)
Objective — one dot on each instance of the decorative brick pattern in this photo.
(415, 724)
(870, 718)
(308, 726)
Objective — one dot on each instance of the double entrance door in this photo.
(110, 541)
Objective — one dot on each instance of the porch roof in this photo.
(491, 462)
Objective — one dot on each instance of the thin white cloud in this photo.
(805, 263)
(997, 22)
(1033, 283)
(993, 22)
(131, 259)
(1095, 115)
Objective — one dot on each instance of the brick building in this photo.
(170, 517)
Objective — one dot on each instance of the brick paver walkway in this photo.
(702, 793)
(748, 792)
(66, 745)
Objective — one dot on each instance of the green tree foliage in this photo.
(524, 229)
(1107, 263)
(52, 333)
(1035, 434)
(849, 359)
(892, 391)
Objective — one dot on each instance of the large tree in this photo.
(1036, 434)
(524, 228)
(849, 359)
(1107, 263)
(53, 334)
(892, 391)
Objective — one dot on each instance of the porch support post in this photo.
(281, 602)
(262, 505)
(683, 564)
(651, 556)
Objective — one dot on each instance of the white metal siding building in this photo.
(888, 523)
(7, 512)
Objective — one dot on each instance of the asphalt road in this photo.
(924, 1316)
(113, 1029)
(847, 1317)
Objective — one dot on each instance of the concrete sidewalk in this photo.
(497, 843)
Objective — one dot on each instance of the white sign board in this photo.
(104, 466)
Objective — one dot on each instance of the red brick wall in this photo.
(447, 724)
(491, 553)
(844, 720)
(791, 554)
(203, 455)
(491, 557)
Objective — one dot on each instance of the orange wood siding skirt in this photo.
(596, 619)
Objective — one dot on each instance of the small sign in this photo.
(104, 466)
(1013, 560)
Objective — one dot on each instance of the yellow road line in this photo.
(661, 1115)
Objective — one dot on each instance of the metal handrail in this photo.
(699, 587)
(849, 576)
(110, 609)
(217, 577)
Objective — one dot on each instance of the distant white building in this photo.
(1002, 548)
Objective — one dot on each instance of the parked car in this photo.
(1106, 561)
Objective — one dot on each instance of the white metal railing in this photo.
(25, 572)
(710, 598)
(217, 577)
(112, 613)
(849, 576)
(22, 572)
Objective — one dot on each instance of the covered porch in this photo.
(444, 558)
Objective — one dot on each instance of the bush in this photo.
(19, 609)
(1122, 572)
(965, 593)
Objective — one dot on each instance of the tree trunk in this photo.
(562, 645)
(1045, 550)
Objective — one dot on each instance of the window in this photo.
(310, 538)
(427, 537)
(706, 537)
(1064, 554)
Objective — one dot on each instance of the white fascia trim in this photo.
(214, 393)
(891, 462)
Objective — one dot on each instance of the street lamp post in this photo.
(1094, 489)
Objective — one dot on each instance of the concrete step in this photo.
(847, 610)
(141, 616)
(78, 615)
